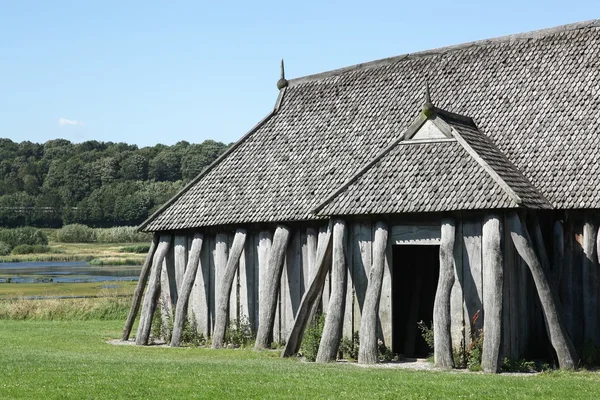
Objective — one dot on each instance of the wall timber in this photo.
(570, 243)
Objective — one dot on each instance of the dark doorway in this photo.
(415, 277)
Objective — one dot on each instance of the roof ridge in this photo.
(536, 34)
(486, 166)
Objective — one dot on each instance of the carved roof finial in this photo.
(282, 82)
(428, 108)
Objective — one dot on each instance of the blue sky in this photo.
(148, 72)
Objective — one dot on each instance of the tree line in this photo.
(94, 183)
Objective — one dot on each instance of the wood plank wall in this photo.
(522, 320)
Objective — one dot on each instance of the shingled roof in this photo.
(535, 98)
(457, 169)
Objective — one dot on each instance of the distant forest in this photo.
(99, 184)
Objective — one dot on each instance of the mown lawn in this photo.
(71, 359)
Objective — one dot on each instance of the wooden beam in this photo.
(334, 319)
(268, 305)
(139, 289)
(152, 291)
(590, 283)
(492, 293)
(368, 351)
(226, 283)
(311, 295)
(441, 306)
(565, 351)
(186, 288)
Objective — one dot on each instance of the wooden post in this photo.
(226, 283)
(590, 283)
(180, 255)
(139, 290)
(565, 351)
(186, 288)
(268, 303)
(153, 290)
(311, 295)
(368, 351)
(492, 293)
(334, 319)
(441, 307)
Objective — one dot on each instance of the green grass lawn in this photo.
(71, 359)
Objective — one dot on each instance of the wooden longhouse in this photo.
(361, 194)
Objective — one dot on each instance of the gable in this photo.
(428, 131)
(460, 171)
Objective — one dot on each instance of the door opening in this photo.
(415, 276)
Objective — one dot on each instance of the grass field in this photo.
(105, 253)
(71, 359)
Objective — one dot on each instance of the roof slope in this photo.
(463, 173)
(537, 96)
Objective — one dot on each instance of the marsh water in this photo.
(66, 272)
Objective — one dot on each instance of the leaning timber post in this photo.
(368, 352)
(153, 290)
(268, 305)
(442, 338)
(312, 295)
(223, 298)
(565, 351)
(590, 283)
(139, 289)
(334, 319)
(186, 288)
(491, 238)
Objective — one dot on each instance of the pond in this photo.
(66, 272)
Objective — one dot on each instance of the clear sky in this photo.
(148, 72)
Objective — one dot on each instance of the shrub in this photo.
(521, 365)
(590, 355)
(139, 248)
(30, 249)
(426, 333)
(475, 350)
(27, 235)
(349, 347)
(385, 354)
(122, 234)
(75, 233)
(4, 249)
(239, 333)
(162, 325)
(190, 335)
(312, 339)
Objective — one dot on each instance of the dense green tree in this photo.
(97, 183)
